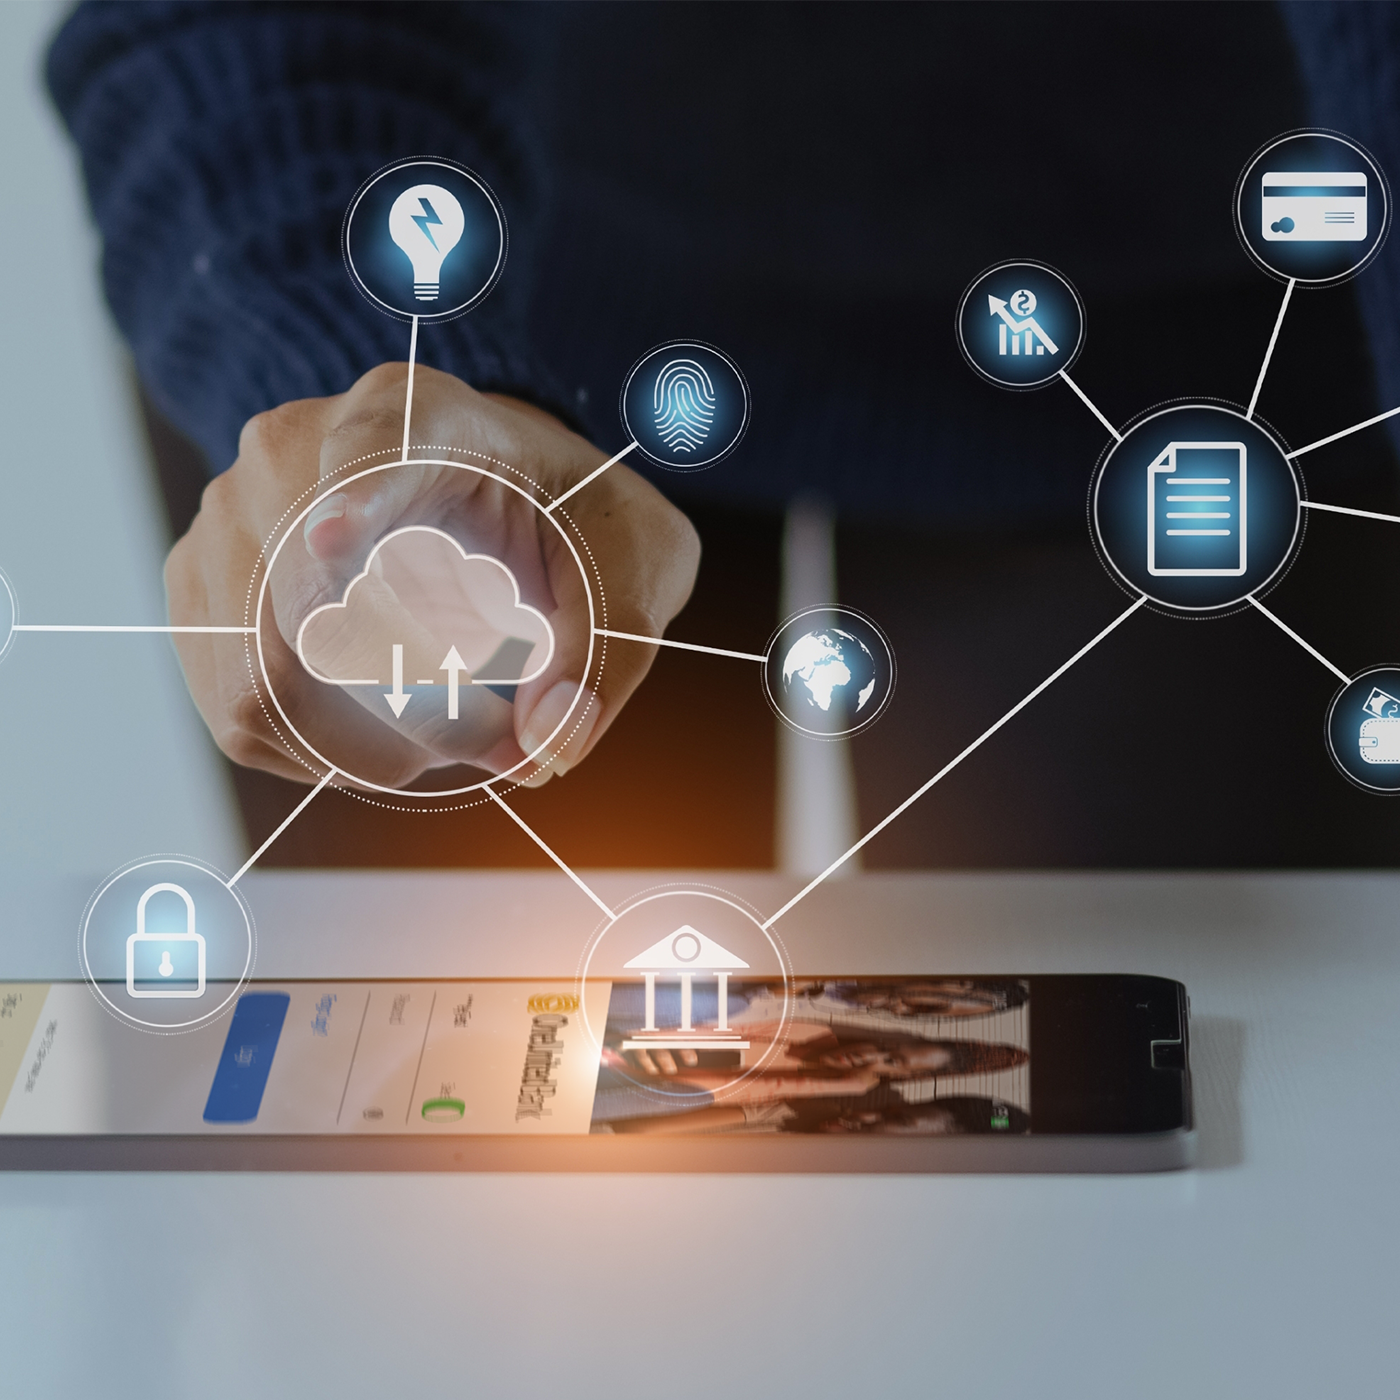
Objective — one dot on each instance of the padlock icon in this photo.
(165, 964)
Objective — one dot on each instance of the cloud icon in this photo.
(424, 612)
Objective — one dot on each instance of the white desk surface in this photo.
(1266, 1272)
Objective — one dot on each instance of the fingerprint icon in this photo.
(684, 404)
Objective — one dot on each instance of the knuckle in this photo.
(380, 379)
(263, 431)
(244, 721)
(242, 749)
(181, 584)
(218, 496)
(375, 427)
(177, 564)
(685, 540)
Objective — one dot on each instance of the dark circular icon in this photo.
(1019, 324)
(1312, 206)
(1363, 729)
(829, 672)
(686, 405)
(424, 237)
(1197, 507)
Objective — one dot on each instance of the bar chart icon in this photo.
(1198, 510)
(1025, 336)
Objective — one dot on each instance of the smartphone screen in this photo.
(932, 1057)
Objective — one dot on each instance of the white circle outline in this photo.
(637, 437)
(768, 656)
(1179, 608)
(1327, 734)
(1042, 267)
(720, 897)
(95, 986)
(1253, 162)
(290, 530)
(502, 240)
(9, 636)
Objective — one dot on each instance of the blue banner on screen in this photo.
(251, 1043)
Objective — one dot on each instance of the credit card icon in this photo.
(1310, 206)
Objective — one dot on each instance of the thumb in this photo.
(561, 716)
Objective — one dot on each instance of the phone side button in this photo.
(1168, 1054)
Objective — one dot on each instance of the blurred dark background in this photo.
(1103, 139)
(1176, 742)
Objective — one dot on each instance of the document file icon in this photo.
(1306, 206)
(1197, 510)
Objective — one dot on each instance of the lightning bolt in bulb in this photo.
(426, 222)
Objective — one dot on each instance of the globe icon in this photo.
(829, 681)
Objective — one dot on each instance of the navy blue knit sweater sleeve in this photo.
(221, 145)
(1349, 56)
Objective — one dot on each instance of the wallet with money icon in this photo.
(1380, 735)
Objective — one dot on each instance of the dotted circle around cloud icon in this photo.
(429, 636)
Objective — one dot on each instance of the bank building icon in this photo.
(686, 954)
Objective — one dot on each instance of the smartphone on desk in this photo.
(826, 1074)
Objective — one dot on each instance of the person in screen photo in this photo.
(931, 1118)
(813, 1059)
(879, 1113)
(913, 997)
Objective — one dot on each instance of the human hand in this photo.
(645, 550)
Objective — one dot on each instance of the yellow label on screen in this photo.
(20, 1005)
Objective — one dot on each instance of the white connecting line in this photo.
(76, 627)
(948, 767)
(753, 656)
(1307, 646)
(495, 797)
(307, 800)
(408, 402)
(519, 821)
(1346, 432)
(1089, 404)
(297, 811)
(1350, 510)
(679, 646)
(1269, 353)
(592, 476)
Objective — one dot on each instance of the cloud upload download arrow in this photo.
(398, 698)
(453, 664)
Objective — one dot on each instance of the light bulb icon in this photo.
(426, 222)
(166, 968)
